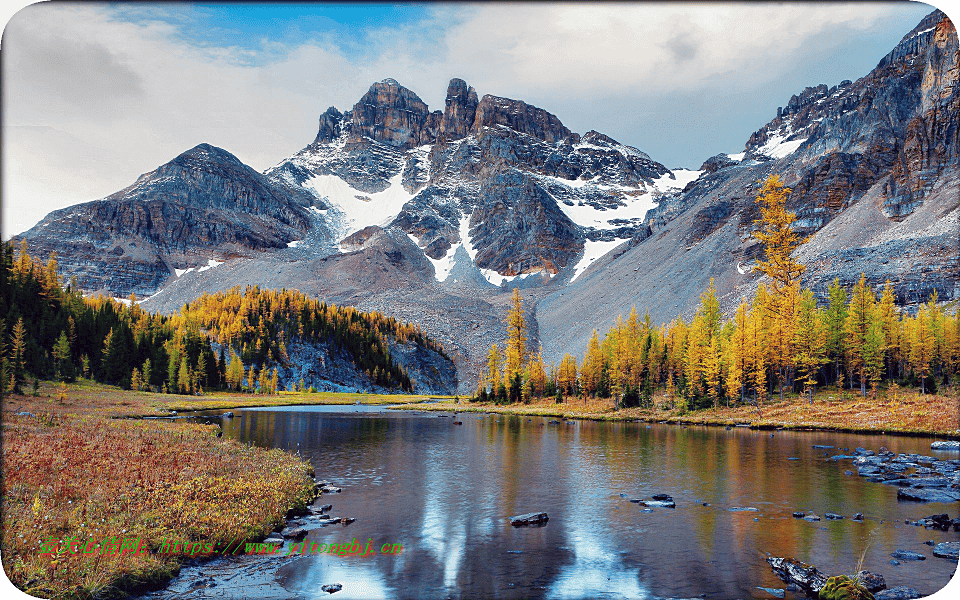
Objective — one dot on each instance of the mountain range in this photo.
(434, 217)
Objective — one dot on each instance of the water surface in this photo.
(445, 492)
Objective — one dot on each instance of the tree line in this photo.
(781, 340)
(229, 340)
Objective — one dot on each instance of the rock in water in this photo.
(538, 518)
(331, 588)
(945, 445)
(874, 582)
(297, 533)
(807, 577)
(901, 592)
(908, 555)
(949, 550)
(927, 495)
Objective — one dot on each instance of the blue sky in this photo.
(96, 94)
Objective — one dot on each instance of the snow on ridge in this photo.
(294, 243)
(591, 252)
(737, 157)
(360, 209)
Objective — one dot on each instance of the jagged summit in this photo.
(501, 178)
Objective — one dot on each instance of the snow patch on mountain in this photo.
(573, 183)
(441, 266)
(591, 252)
(633, 208)
(211, 263)
(681, 177)
(360, 209)
(777, 145)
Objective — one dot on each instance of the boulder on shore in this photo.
(536, 518)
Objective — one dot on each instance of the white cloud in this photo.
(136, 94)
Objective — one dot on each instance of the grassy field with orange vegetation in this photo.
(891, 411)
(74, 476)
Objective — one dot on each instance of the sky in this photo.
(96, 94)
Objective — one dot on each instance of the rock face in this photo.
(460, 110)
(391, 114)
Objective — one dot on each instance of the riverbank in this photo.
(77, 473)
(893, 411)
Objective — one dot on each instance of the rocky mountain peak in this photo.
(460, 110)
(521, 117)
(392, 114)
(916, 41)
(330, 123)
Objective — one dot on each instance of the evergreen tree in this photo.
(63, 364)
(859, 315)
(516, 339)
(811, 337)
(834, 320)
(18, 350)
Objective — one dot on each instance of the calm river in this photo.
(445, 491)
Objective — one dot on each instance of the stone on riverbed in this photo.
(743, 509)
(901, 592)
(811, 518)
(947, 550)
(331, 588)
(330, 489)
(833, 516)
(536, 518)
(907, 555)
(806, 577)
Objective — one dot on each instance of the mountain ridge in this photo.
(433, 215)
